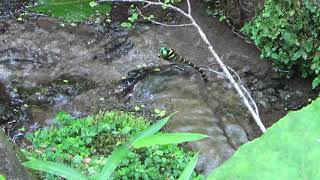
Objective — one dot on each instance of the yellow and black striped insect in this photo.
(171, 56)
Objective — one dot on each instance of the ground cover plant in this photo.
(85, 144)
(287, 32)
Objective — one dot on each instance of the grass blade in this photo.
(113, 161)
(152, 129)
(58, 169)
(188, 170)
(120, 153)
(167, 138)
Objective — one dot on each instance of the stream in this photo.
(46, 68)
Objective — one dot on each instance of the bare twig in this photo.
(239, 88)
(169, 25)
(216, 72)
(189, 7)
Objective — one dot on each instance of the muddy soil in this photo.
(46, 68)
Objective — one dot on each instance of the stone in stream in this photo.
(10, 111)
(10, 165)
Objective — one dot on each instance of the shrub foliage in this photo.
(287, 32)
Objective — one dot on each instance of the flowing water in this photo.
(46, 68)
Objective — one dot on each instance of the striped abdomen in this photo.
(174, 57)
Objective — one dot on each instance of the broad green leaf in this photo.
(308, 46)
(2, 177)
(290, 38)
(58, 169)
(167, 138)
(71, 11)
(188, 170)
(121, 153)
(113, 161)
(290, 149)
(316, 82)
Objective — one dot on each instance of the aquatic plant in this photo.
(84, 144)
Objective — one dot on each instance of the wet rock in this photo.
(3, 27)
(10, 166)
(237, 134)
(293, 99)
(12, 111)
(11, 7)
(120, 46)
(7, 111)
(50, 93)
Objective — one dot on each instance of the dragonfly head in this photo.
(164, 52)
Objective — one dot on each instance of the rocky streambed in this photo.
(47, 67)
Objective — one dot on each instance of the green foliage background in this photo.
(287, 32)
(85, 143)
(290, 149)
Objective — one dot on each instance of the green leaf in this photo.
(290, 149)
(290, 38)
(70, 10)
(126, 24)
(308, 46)
(315, 82)
(188, 170)
(2, 177)
(113, 161)
(168, 138)
(58, 169)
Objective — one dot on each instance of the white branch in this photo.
(169, 25)
(216, 72)
(245, 90)
(224, 68)
(189, 7)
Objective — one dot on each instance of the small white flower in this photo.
(93, 4)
